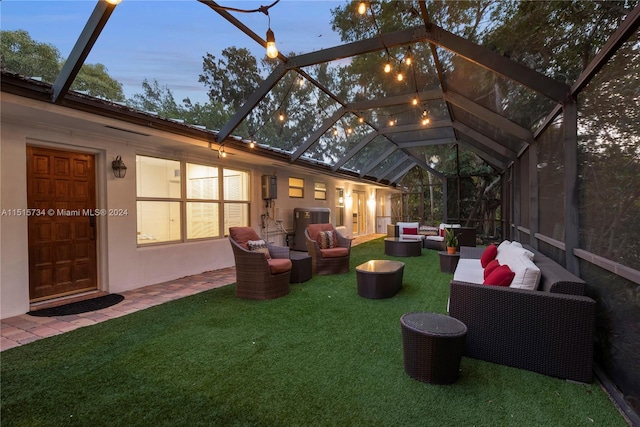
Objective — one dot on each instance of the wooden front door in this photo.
(62, 232)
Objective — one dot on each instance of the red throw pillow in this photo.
(490, 267)
(488, 255)
(413, 231)
(501, 276)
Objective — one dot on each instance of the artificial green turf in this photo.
(319, 356)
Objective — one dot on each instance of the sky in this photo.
(166, 40)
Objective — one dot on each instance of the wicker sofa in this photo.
(549, 330)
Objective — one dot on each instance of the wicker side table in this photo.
(433, 345)
(448, 262)
(300, 267)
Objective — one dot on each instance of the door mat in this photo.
(79, 306)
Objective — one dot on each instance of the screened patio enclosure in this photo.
(518, 117)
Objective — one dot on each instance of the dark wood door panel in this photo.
(62, 245)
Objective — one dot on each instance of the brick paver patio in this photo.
(23, 329)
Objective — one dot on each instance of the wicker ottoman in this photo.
(433, 345)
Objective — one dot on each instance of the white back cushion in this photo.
(527, 273)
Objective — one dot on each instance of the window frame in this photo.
(184, 199)
(319, 190)
(296, 188)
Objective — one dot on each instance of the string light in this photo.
(360, 119)
(221, 152)
(425, 118)
(408, 58)
(281, 116)
(301, 81)
(392, 122)
(387, 67)
(415, 100)
(335, 132)
(400, 76)
(252, 144)
(349, 131)
(272, 50)
(362, 8)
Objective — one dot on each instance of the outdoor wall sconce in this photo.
(119, 168)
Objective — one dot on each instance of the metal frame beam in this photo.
(372, 164)
(621, 35)
(253, 100)
(356, 148)
(497, 63)
(406, 99)
(318, 133)
(489, 116)
(481, 151)
(390, 130)
(402, 173)
(484, 140)
(427, 142)
(388, 170)
(81, 49)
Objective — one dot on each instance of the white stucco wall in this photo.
(122, 265)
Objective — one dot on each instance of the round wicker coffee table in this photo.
(433, 345)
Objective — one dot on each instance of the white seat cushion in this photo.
(469, 270)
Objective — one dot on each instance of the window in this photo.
(185, 201)
(339, 207)
(236, 199)
(158, 202)
(320, 191)
(296, 188)
(203, 192)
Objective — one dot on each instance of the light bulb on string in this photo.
(387, 67)
(281, 116)
(408, 58)
(400, 76)
(272, 50)
(362, 8)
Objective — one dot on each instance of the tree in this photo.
(156, 99)
(20, 54)
(230, 80)
(95, 81)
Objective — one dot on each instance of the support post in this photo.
(571, 189)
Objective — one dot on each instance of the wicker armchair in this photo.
(256, 276)
(327, 261)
